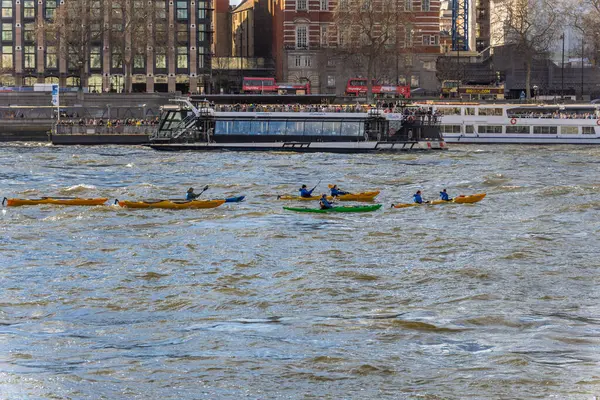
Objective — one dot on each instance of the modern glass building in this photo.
(107, 45)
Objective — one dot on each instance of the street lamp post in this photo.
(582, 50)
(562, 69)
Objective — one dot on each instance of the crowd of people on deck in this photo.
(109, 122)
(554, 115)
(325, 108)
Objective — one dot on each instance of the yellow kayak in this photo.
(473, 198)
(61, 201)
(171, 204)
(363, 196)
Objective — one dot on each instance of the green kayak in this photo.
(346, 209)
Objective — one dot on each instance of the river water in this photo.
(494, 300)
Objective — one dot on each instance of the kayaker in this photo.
(304, 192)
(324, 203)
(337, 192)
(444, 195)
(418, 199)
(191, 195)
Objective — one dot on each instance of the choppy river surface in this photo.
(494, 300)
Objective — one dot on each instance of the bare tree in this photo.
(73, 29)
(530, 26)
(367, 30)
(131, 26)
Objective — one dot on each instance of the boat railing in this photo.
(184, 126)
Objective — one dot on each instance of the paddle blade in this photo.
(330, 186)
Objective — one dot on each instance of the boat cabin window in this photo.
(490, 111)
(295, 128)
(517, 129)
(259, 128)
(449, 110)
(469, 129)
(489, 129)
(470, 111)
(587, 130)
(545, 129)
(171, 120)
(316, 127)
(569, 130)
(277, 128)
(450, 128)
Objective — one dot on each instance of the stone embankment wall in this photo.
(29, 116)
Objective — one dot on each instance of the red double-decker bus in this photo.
(358, 87)
(269, 86)
(259, 85)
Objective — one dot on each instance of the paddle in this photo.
(316, 185)
(202, 191)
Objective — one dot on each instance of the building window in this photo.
(182, 33)
(307, 61)
(7, 33)
(29, 32)
(324, 5)
(201, 32)
(301, 5)
(425, 5)
(117, 60)
(29, 81)
(426, 40)
(51, 57)
(139, 61)
(7, 57)
(161, 10)
(408, 37)
(50, 9)
(95, 58)
(298, 61)
(324, 36)
(414, 81)
(182, 10)
(29, 9)
(201, 61)
(182, 57)
(30, 57)
(330, 81)
(301, 37)
(161, 58)
(407, 5)
(201, 9)
(7, 8)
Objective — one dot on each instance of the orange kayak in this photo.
(60, 201)
(473, 198)
(171, 204)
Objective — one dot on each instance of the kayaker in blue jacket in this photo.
(304, 192)
(444, 195)
(337, 192)
(324, 203)
(190, 195)
(417, 198)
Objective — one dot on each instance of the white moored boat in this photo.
(520, 123)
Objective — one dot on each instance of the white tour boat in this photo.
(520, 123)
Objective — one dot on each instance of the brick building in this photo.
(309, 41)
(175, 56)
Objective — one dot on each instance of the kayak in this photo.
(363, 196)
(342, 209)
(62, 201)
(473, 198)
(235, 199)
(171, 204)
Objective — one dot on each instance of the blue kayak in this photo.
(236, 199)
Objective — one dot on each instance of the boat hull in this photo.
(64, 201)
(340, 209)
(172, 204)
(364, 196)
